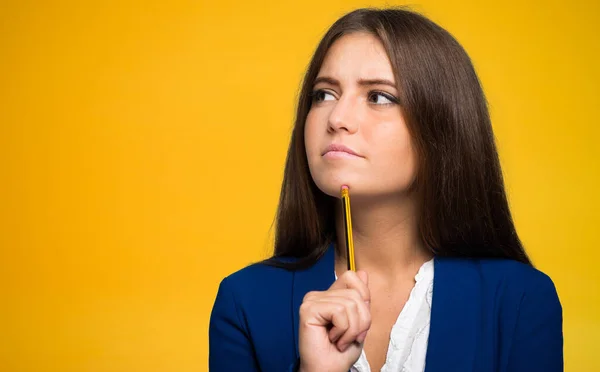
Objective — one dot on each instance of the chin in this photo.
(358, 188)
(333, 187)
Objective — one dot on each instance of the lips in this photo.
(339, 148)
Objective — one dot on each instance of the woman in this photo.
(391, 107)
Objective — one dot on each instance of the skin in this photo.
(355, 104)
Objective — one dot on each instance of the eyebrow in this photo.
(363, 82)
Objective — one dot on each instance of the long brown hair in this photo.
(464, 209)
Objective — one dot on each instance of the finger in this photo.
(312, 295)
(346, 332)
(363, 276)
(341, 293)
(344, 322)
(352, 332)
(351, 280)
(324, 313)
(361, 337)
(363, 306)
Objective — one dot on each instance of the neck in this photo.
(385, 234)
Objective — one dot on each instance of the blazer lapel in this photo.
(318, 277)
(455, 316)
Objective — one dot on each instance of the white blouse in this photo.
(409, 335)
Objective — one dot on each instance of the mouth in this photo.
(338, 150)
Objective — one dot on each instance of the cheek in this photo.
(311, 133)
(395, 151)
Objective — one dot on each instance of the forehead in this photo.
(357, 55)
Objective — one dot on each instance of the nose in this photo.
(344, 116)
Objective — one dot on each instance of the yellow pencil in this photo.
(348, 225)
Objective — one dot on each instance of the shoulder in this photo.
(257, 284)
(247, 317)
(510, 275)
(258, 276)
(524, 303)
(507, 286)
(516, 277)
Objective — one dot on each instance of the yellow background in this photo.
(141, 153)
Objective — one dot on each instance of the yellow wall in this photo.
(126, 129)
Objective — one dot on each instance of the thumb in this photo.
(363, 276)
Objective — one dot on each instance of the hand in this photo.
(334, 324)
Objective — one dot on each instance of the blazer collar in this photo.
(455, 310)
(455, 316)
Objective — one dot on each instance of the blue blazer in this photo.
(487, 315)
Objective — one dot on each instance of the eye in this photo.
(380, 98)
(322, 95)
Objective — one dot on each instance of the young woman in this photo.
(391, 107)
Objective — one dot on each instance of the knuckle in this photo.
(368, 321)
(352, 275)
(348, 276)
(353, 330)
(304, 309)
(339, 308)
(365, 295)
(355, 295)
(309, 296)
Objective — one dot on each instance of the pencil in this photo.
(348, 226)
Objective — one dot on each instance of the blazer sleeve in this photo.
(230, 347)
(538, 339)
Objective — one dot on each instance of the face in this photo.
(355, 133)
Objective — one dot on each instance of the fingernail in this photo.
(361, 337)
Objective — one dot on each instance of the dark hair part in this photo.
(459, 183)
